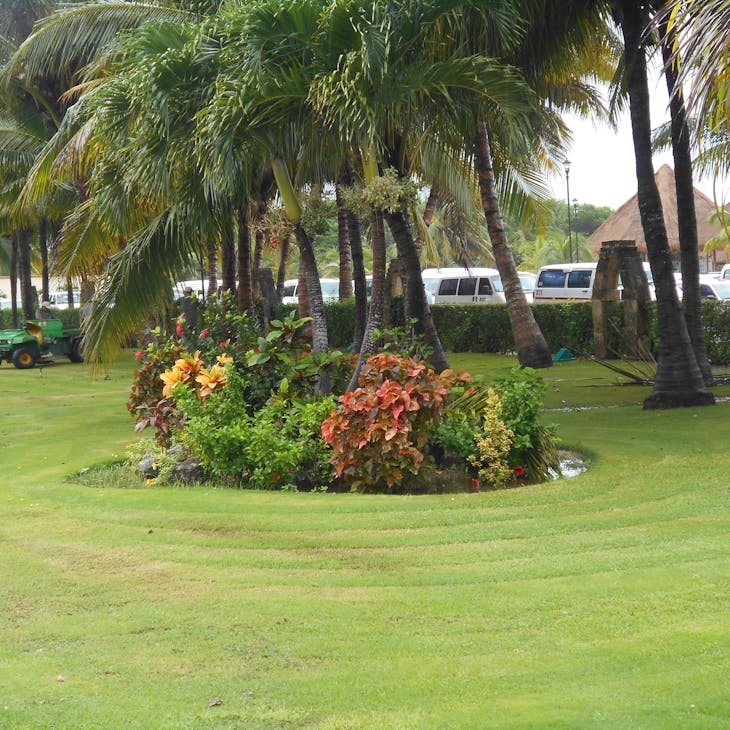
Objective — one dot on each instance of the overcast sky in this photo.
(602, 170)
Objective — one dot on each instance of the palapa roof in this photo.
(625, 223)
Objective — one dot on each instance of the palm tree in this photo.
(701, 29)
(269, 79)
(532, 349)
(686, 215)
(678, 381)
(551, 47)
(385, 93)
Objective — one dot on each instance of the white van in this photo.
(574, 282)
(565, 282)
(463, 286)
(59, 300)
(330, 290)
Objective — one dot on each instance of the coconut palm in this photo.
(702, 44)
(264, 66)
(552, 47)
(679, 381)
(392, 89)
(686, 215)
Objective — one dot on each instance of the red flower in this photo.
(139, 354)
(474, 484)
(179, 329)
(204, 333)
(276, 477)
(518, 471)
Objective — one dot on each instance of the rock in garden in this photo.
(148, 466)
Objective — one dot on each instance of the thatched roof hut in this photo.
(625, 223)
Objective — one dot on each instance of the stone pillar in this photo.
(620, 258)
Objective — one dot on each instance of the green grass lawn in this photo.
(599, 601)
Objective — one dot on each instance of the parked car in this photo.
(714, 287)
(330, 290)
(565, 282)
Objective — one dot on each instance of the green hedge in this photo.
(486, 328)
(69, 317)
(716, 319)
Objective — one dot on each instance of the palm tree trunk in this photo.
(283, 262)
(211, 255)
(354, 234)
(26, 283)
(678, 380)
(314, 290)
(303, 292)
(377, 297)
(354, 226)
(14, 279)
(228, 258)
(343, 243)
(428, 213)
(245, 288)
(532, 349)
(259, 239)
(415, 293)
(686, 214)
(70, 292)
(43, 248)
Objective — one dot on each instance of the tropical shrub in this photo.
(454, 436)
(145, 401)
(224, 329)
(277, 447)
(494, 444)
(533, 454)
(404, 341)
(378, 432)
(285, 354)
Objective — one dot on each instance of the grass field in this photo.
(599, 601)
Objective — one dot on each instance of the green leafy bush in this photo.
(284, 354)
(716, 319)
(277, 447)
(224, 329)
(533, 453)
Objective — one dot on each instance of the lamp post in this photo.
(566, 167)
(575, 227)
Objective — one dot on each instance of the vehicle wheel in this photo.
(24, 358)
(75, 354)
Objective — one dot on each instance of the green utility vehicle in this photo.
(40, 341)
